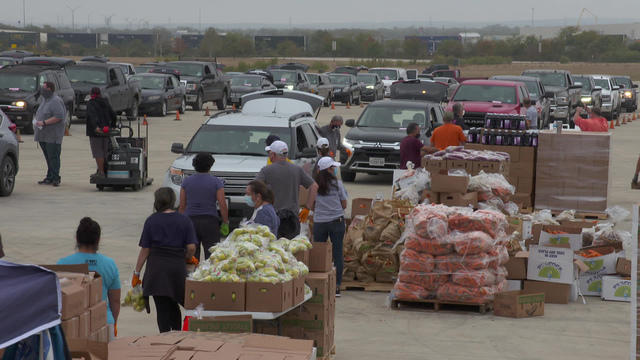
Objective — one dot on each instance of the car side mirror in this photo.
(350, 123)
(309, 152)
(177, 148)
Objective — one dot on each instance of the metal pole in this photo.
(24, 14)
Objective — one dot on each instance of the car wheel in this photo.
(183, 106)
(198, 105)
(163, 109)
(222, 103)
(67, 119)
(7, 176)
(132, 113)
(100, 187)
(347, 176)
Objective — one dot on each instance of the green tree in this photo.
(450, 48)
(211, 43)
(414, 49)
(288, 49)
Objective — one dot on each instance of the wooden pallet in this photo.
(586, 215)
(437, 305)
(363, 286)
(330, 355)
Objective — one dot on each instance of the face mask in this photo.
(46, 93)
(249, 201)
(335, 126)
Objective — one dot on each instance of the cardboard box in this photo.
(525, 184)
(459, 199)
(590, 284)
(623, 267)
(322, 340)
(309, 317)
(298, 290)
(570, 236)
(514, 285)
(71, 328)
(516, 268)
(488, 167)
(550, 264)
(360, 206)
(553, 293)
(303, 256)
(225, 324)
(459, 164)
(74, 298)
(321, 257)
(95, 290)
(267, 297)
(515, 224)
(87, 349)
(449, 184)
(215, 295)
(269, 328)
(84, 328)
(431, 197)
(321, 285)
(616, 288)
(518, 304)
(603, 265)
(98, 316)
(434, 165)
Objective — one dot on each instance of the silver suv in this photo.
(8, 155)
(237, 140)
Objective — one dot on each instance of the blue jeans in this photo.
(51, 153)
(334, 230)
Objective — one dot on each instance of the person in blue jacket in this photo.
(260, 198)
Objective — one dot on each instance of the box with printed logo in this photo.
(550, 264)
(616, 288)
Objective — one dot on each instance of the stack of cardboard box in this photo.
(450, 190)
(84, 313)
(572, 171)
(521, 170)
(472, 167)
(315, 319)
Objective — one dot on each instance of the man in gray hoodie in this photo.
(49, 127)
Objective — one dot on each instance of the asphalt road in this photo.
(38, 225)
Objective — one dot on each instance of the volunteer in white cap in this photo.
(285, 179)
(322, 146)
(328, 213)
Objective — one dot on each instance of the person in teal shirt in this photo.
(87, 243)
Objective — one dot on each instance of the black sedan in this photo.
(371, 86)
(345, 88)
(161, 93)
(247, 83)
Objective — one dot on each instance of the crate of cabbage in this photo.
(251, 270)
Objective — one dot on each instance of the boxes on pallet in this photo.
(321, 257)
(449, 183)
(268, 297)
(227, 324)
(459, 199)
(220, 296)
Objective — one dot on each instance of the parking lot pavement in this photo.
(38, 222)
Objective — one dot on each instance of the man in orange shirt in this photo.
(448, 134)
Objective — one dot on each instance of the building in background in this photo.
(631, 31)
(431, 42)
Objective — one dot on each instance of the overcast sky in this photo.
(303, 12)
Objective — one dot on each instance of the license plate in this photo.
(374, 161)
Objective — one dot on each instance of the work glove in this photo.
(193, 261)
(304, 215)
(224, 229)
(135, 280)
(348, 152)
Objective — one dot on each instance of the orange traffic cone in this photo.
(348, 105)
(177, 116)
(618, 121)
(333, 106)
(206, 111)
(612, 125)
(635, 116)
(144, 120)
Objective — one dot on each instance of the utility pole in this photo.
(24, 14)
(73, 16)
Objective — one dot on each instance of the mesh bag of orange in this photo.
(473, 242)
(499, 256)
(450, 264)
(411, 260)
(427, 246)
(405, 291)
(475, 295)
(474, 278)
(491, 222)
(428, 281)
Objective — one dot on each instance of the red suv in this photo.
(480, 97)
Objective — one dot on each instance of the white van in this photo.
(389, 76)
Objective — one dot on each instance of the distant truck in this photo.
(204, 82)
(566, 92)
(122, 94)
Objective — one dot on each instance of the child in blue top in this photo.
(87, 241)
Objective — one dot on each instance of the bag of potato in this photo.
(360, 247)
(363, 275)
(355, 230)
(381, 210)
(392, 232)
(373, 229)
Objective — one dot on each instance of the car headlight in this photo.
(562, 100)
(586, 99)
(349, 144)
(191, 86)
(369, 86)
(176, 175)
(289, 87)
(153, 98)
(627, 94)
(20, 103)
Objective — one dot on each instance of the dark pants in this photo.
(207, 231)
(334, 230)
(168, 314)
(289, 224)
(52, 156)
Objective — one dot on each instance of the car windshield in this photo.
(18, 82)
(550, 79)
(235, 140)
(249, 81)
(391, 117)
(150, 82)
(313, 79)
(86, 74)
(143, 68)
(284, 76)
(532, 87)
(125, 69)
(367, 79)
(624, 81)
(187, 69)
(386, 74)
(586, 84)
(486, 93)
(603, 83)
(340, 79)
